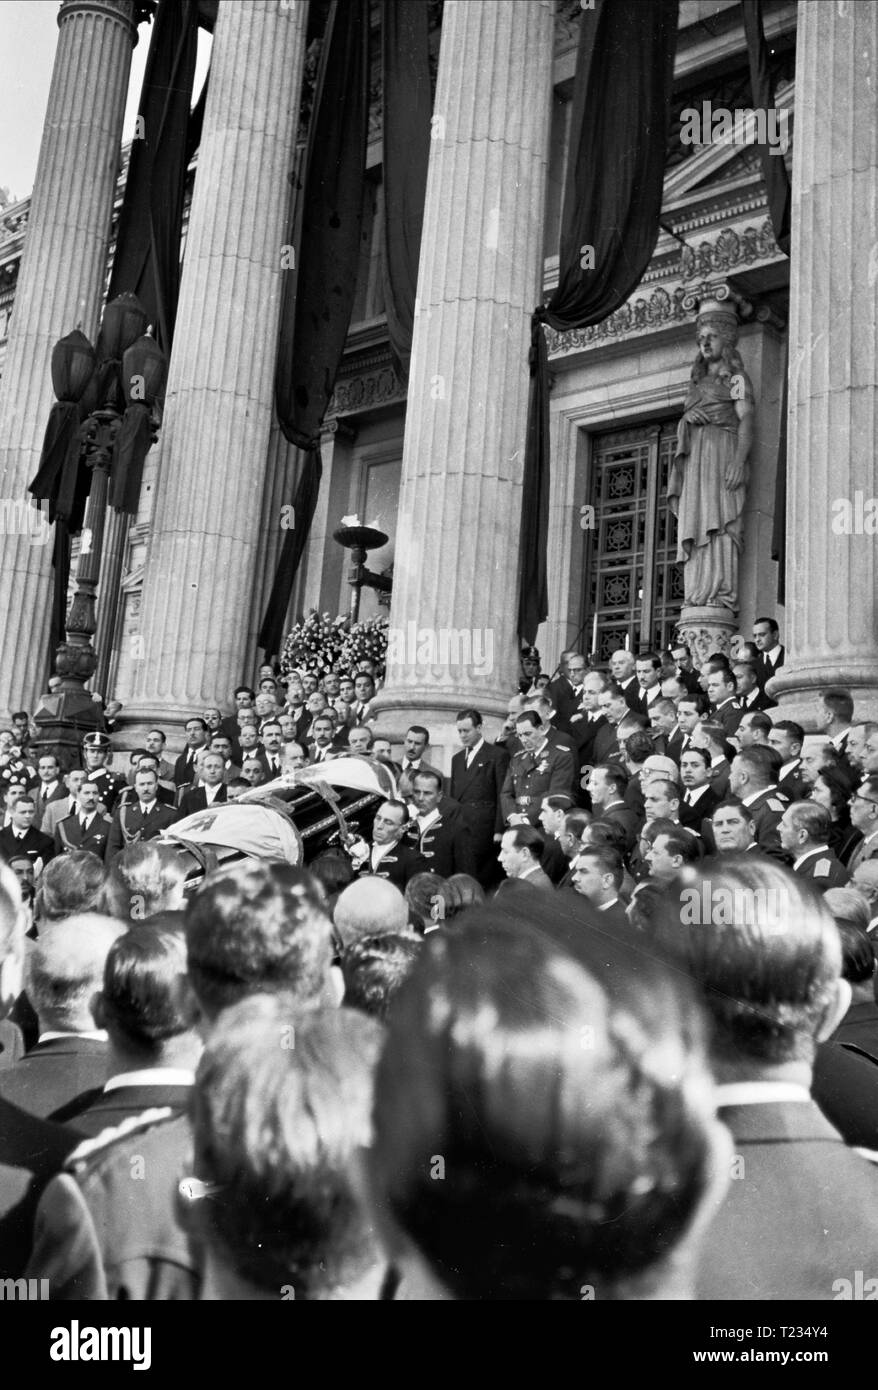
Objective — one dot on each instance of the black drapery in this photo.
(612, 203)
(147, 255)
(318, 292)
(777, 186)
(408, 107)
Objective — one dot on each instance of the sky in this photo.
(28, 36)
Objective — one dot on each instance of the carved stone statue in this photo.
(708, 478)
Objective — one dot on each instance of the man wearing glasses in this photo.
(864, 816)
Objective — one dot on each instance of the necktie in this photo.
(688, 798)
(469, 756)
(144, 810)
(83, 822)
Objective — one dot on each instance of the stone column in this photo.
(205, 539)
(60, 284)
(832, 575)
(455, 586)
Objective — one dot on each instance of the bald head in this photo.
(66, 967)
(865, 877)
(369, 907)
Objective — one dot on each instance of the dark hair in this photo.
(680, 840)
(702, 753)
(529, 716)
(417, 729)
(840, 787)
(639, 747)
(463, 891)
(70, 883)
(374, 968)
(757, 760)
(607, 832)
(614, 776)
(257, 927)
(698, 699)
(577, 820)
(399, 805)
(142, 997)
(245, 690)
(472, 714)
(527, 837)
(277, 1129)
(333, 870)
(547, 1191)
(768, 964)
(421, 894)
(559, 801)
(839, 702)
(795, 732)
(608, 859)
(758, 720)
(772, 623)
(733, 803)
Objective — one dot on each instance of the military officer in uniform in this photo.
(95, 752)
(86, 828)
(387, 856)
(804, 833)
(143, 819)
(539, 770)
(751, 780)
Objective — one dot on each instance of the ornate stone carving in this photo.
(368, 389)
(705, 631)
(728, 250)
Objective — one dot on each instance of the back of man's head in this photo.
(143, 1003)
(368, 907)
(278, 1129)
(146, 878)
(71, 883)
(374, 968)
(569, 1159)
(258, 927)
(65, 970)
(766, 955)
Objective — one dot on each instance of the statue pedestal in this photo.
(707, 630)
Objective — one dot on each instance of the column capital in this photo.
(128, 13)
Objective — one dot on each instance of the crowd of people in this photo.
(591, 1017)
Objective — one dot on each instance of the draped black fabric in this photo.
(61, 435)
(780, 198)
(318, 293)
(610, 223)
(774, 169)
(147, 257)
(129, 453)
(408, 107)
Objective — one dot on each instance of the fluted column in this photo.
(282, 469)
(205, 540)
(832, 578)
(456, 564)
(60, 283)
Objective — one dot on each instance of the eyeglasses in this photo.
(858, 796)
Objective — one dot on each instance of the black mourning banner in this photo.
(612, 203)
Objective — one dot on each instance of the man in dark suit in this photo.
(388, 856)
(478, 772)
(648, 671)
(771, 982)
(751, 697)
(699, 798)
(152, 1038)
(771, 654)
(87, 828)
(786, 738)
(322, 749)
(607, 786)
(521, 847)
(565, 691)
(196, 737)
(721, 692)
(31, 1149)
(65, 971)
(443, 840)
(21, 838)
(588, 720)
(804, 835)
(686, 672)
(144, 819)
(622, 673)
(597, 877)
(50, 787)
(212, 790)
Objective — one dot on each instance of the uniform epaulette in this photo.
(90, 1148)
(774, 804)
(822, 866)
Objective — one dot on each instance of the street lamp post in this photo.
(129, 372)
